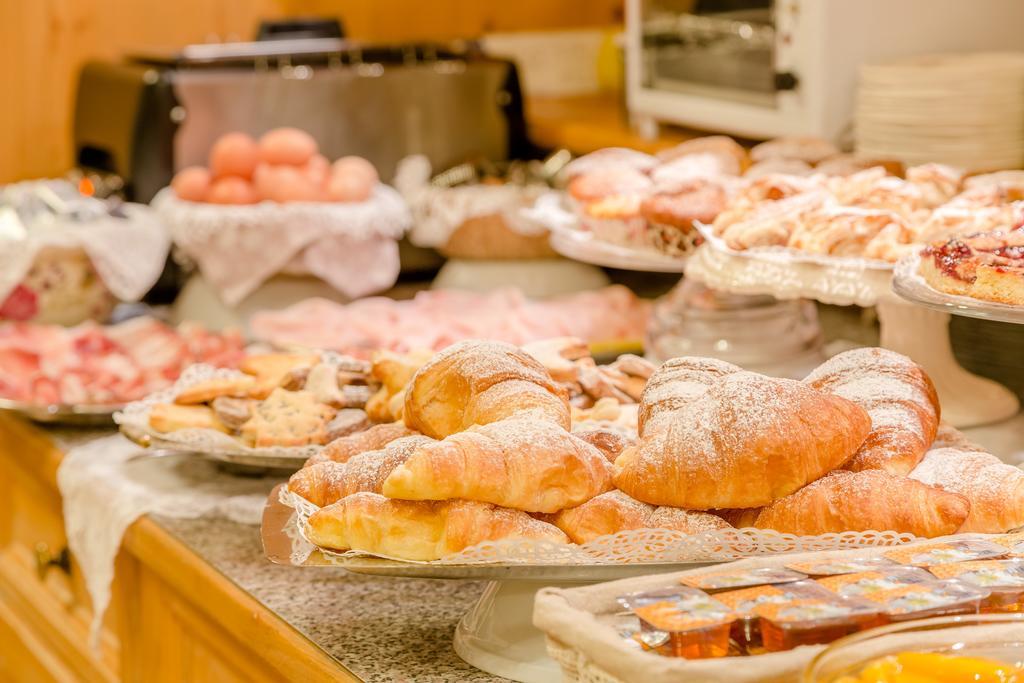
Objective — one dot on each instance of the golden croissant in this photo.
(995, 489)
(870, 500)
(713, 438)
(527, 464)
(374, 438)
(899, 398)
(325, 482)
(417, 530)
(614, 511)
(479, 382)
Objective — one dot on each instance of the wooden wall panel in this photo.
(44, 42)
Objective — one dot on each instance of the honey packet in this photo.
(1004, 578)
(932, 554)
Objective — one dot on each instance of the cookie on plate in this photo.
(167, 417)
(206, 391)
(288, 418)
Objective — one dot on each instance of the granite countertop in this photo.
(381, 629)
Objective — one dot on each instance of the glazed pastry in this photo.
(372, 439)
(870, 500)
(720, 145)
(938, 182)
(420, 531)
(805, 148)
(838, 231)
(288, 418)
(326, 482)
(989, 266)
(670, 217)
(736, 440)
(614, 511)
(233, 412)
(995, 489)
(523, 463)
(479, 382)
(610, 156)
(898, 396)
(608, 181)
(204, 392)
(167, 417)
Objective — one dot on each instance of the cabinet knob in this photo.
(47, 559)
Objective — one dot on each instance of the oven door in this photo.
(715, 49)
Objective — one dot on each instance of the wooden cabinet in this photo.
(172, 617)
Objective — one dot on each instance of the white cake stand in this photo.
(918, 331)
(497, 635)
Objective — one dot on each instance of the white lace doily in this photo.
(439, 211)
(625, 547)
(134, 420)
(350, 246)
(108, 483)
(127, 253)
(841, 282)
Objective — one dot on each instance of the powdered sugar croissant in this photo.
(521, 463)
(715, 438)
(479, 382)
(995, 489)
(898, 396)
(870, 500)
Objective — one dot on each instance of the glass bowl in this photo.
(998, 637)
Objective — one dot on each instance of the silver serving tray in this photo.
(75, 415)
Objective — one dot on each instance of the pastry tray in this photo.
(283, 543)
(909, 284)
(65, 414)
(838, 281)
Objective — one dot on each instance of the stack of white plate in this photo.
(966, 110)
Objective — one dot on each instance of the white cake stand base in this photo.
(923, 334)
(498, 636)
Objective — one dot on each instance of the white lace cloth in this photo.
(438, 212)
(109, 482)
(352, 247)
(128, 253)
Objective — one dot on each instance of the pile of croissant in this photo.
(485, 450)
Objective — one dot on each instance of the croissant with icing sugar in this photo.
(898, 396)
(869, 500)
(715, 437)
(479, 382)
(995, 489)
(417, 530)
(523, 463)
(614, 511)
(329, 481)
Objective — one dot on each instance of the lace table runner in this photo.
(108, 482)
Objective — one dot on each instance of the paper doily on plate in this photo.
(786, 275)
(128, 253)
(238, 247)
(439, 211)
(134, 421)
(655, 546)
(908, 283)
